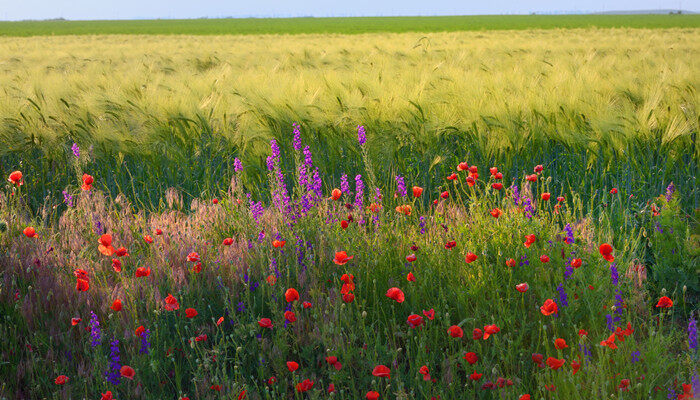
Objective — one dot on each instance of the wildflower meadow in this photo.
(490, 286)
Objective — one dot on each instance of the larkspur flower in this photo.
(400, 186)
(297, 136)
(361, 136)
(344, 185)
(562, 295)
(614, 276)
(422, 225)
(76, 150)
(113, 374)
(635, 356)
(669, 191)
(692, 333)
(95, 332)
(529, 210)
(237, 165)
(67, 198)
(145, 344)
(569, 234)
(359, 191)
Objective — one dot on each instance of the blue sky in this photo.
(128, 9)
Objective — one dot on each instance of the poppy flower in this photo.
(522, 287)
(497, 185)
(142, 271)
(455, 331)
(193, 257)
(228, 241)
(75, 321)
(278, 243)
(664, 302)
(417, 191)
(107, 396)
(537, 358)
(29, 232)
(121, 252)
(613, 191)
(105, 246)
(538, 169)
(606, 251)
(430, 314)
(116, 305)
(582, 332)
(127, 372)
(490, 330)
(471, 358)
(609, 342)
(529, 240)
(292, 366)
(560, 344)
(549, 307)
(381, 371)
(452, 176)
(331, 388)
(411, 258)
(474, 376)
(216, 388)
(336, 193)
(331, 360)
(241, 395)
(265, 323)
(624, 384)
(575, 366)
(344, 224)
(463, 166)
(395, 294)
(171, 303)
(524, 397)
(545, 196)
(477, 334)
(87, 182)
(371, 395)
(290, 316)
(470, 257)
(555, 363)
(410, 277)
(139, 331)
(493, 170)
(471, 180)
(445, 194)
(348, 298)
(159, 232)
(219, 321)
(148, 239)
(201, 338)
(61, 380)
(82, 285)
(341, 258)
(306, 304)
(304, 385)
(414, 320)
(531, 178)
(291, 295)
(450, 245)
(425, 372)
(576, 262)
(544, 258)
(510, 262)
(191, 312)
(498, 176)
(16, 178)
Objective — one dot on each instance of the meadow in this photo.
(436, 215)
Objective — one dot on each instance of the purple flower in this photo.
(529, 210)
(692, 333)
(614, 276)
(563, 297)
(67, 198)
(237, 165)
(635, 356)
(256, 209)
(422, 225)
(344, 185)
(145, 344)
(113, 373)
(569, 234)
(516, 195)
(609, 320)
(95, 332)
(400, 186)
(241, 307)
(76, 150)
(359, 191)
(669, 191)
(361, 136)
(297, 137)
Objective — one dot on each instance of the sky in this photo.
(137, 9)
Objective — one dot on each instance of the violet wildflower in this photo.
(361, 136)
(240, 307)
(692, 333)
(635, 356)
(67, 198)
(422, 225)
(516, 195)
(669, 191)
(76, 150)
(563, 297)
(95, 332)
(614, 276)
(297, 136)
(609, 321)
(237, 165)
(113, 373)
(270, 163)
(400, 186)
(145, 344)
(529, 210)
(359, 191)
(344, 185)
(569, 234)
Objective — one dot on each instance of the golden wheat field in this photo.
(626, 81)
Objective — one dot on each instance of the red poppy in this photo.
(82, 285)
(381, 371)
(455, 331)
(306, 304)
(470, 257)
(544, 258)
(75, 321)
(450, 245)
(411, 258)
(107, 396)
(555, 363)
(148, 239)
(425, 372)
(490, 330)
(278, 243)
(348, 298)
(560, 344)
(498, 176)
(105, 246)
(549, 307)
(414, 320)
(304, 385)
(116, 305)
(292, 366)
(551, 388)
(606, 251)
(546, 196)
(477, 334)
(624, 384)
(471, 358)
(29, 232)
(344, 224)
(191, 312)
(371, 395)
(219, 321)
(228, 241)
(497, 185)
(215, 201)
(171, 303)
(331, 360)
(474, 376)
(522, 287)
(529, 240)
(664, 302)
(291, 295)
(452, 176)
(241, 395)
(16, 178)
(127, 372)
(159, 232)
(539, 168)
(445, 194)
(410, 277)
(142, 271)
(576, 262)
(121, 252)
(331, 388)
(510, 262)
(87, 182)
(341, 258)
(531, 178)
(290, 316)
(216, 388)
(471, 179)
(265, 323)
(582, 332)
(613, 191)
(430, 314)
(462, 166)
(201, 338)
(575, 366)
(61, 380)
(537, 358)
(524, 397)
(609, 342)
(417, 191)
(395, 294)
(193, 257)
(336, 193)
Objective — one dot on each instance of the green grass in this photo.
(256, 26)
